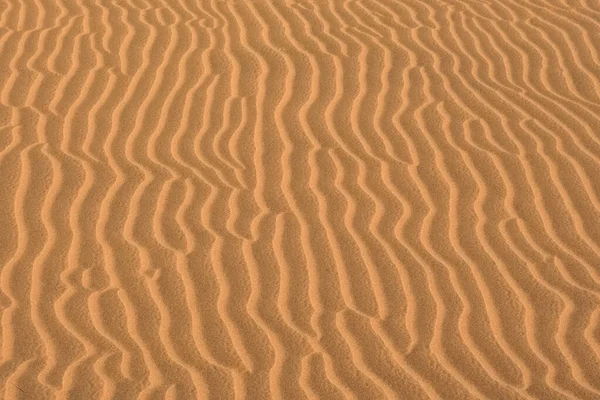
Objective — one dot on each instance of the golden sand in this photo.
(324, 199)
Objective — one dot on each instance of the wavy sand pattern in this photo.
(330, 199)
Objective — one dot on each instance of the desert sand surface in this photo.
(325, 199)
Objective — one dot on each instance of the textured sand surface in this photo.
(328, 199)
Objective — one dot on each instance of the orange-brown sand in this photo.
(307, 199)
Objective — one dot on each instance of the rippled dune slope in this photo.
(325, 199)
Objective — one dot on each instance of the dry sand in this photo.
(362, 199)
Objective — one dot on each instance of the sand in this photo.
(251, 199)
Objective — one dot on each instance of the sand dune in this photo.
(243, 199)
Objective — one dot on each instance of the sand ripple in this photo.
(298, 199)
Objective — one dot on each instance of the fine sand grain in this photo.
(324, 199)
